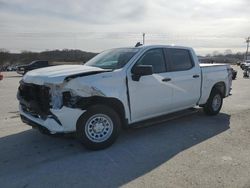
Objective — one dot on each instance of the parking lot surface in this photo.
(190, 151)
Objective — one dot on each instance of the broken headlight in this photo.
(56, 97)
(70, 99)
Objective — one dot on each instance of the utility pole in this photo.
(247, 41)
(143, 38)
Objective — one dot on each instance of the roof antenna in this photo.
(138, 44)
(143, 41)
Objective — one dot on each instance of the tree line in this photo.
(227, 57)
(7, 58)
(66, 55)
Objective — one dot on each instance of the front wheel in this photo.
(99, 127)
(214, 103)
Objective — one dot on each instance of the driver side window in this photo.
(155, 58)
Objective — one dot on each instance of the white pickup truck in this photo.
(119, 88)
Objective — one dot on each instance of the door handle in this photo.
(166, 79)
(196, 76)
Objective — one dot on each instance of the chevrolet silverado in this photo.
(119, 88)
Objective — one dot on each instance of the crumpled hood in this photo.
(57, 74)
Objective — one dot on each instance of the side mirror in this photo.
(141, 70)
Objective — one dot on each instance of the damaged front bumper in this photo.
(36, 110)
(62, 121)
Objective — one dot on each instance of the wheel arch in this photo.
(209, 106)
(112, 103)
(221, 86)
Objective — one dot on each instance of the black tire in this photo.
(84, 123)
(209, 108)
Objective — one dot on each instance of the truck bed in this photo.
(211, 74)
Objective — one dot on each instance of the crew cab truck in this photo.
(23, 69)
(119, 88)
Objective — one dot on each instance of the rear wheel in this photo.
(214, 103)
(99, 127)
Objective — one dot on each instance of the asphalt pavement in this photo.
(194, 150)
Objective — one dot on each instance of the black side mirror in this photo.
(141, 70)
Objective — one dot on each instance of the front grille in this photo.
(37, 97)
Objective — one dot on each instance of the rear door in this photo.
(185, 77)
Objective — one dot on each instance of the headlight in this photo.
(56, 97)
(70, 99)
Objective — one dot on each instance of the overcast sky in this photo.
(96, 25)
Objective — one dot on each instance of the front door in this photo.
(152, 94)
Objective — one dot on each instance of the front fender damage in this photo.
(72, 95)
(66, 106)
(56, 107)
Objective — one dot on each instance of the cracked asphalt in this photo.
(189, 151)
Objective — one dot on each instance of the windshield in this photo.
(113, 59)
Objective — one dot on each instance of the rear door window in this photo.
(180, 60)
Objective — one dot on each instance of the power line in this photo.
(113, 34)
